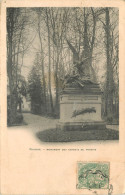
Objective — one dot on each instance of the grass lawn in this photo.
(56, 135)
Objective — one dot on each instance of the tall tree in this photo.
(12, 20)
(39, 11)
(109, 70)
(17, 19)
(58, 20)
(49, 55)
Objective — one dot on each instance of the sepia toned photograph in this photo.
(62, 97)
(63, 72)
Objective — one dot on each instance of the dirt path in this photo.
(39, 123)
(25, 136)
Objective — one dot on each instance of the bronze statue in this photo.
(82, 73)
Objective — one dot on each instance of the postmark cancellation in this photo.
(93, 175)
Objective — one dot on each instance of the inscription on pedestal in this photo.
(74, 98)
(91, 97)
(77, 105)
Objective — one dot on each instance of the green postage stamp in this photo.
(93, 175)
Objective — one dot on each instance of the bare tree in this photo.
(58, 20)
(47, 10)
(86, 29)
(111, 46)
(15, 27)
(17, 20)
(42, 56)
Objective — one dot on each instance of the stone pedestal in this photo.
(80, 108)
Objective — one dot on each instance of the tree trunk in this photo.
(88, 47)
(57, 82)
(12, 110)
(50, 92)
(43, 74)
(109, 76)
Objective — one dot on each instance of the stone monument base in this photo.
(71, 126)
(80, 108)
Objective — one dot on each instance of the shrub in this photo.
(19, 118)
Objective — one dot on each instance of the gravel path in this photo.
(39, 123)
(35, 124)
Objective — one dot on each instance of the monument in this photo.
(80, 101)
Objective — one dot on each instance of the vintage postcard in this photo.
(62, 97)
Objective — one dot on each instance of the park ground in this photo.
(39, 130)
